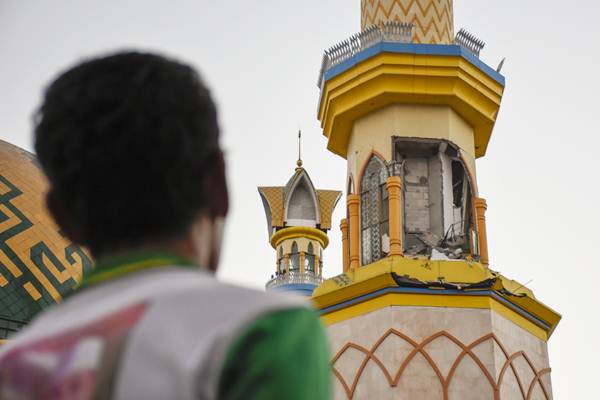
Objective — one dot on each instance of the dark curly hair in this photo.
(127, 142)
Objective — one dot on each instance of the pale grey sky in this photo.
(262, 58)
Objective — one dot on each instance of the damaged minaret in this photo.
(419, 311)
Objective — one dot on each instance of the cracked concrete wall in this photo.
(374, 132)
(436, 197)
(416, 195)
(448, 208)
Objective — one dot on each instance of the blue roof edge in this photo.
(413, 48)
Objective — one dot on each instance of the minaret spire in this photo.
(299, 162)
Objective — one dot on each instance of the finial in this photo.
(299, 162)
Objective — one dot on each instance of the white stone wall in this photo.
(437, 353)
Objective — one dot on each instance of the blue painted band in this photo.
(413, 48)
(305, 289)
(451, 292)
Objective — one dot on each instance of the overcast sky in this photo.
(261, 59)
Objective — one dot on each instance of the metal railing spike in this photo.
(391, 31)
(469, 42)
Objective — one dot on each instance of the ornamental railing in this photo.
(469, 42)
(294, 277)
(396, 32)
(399, 32)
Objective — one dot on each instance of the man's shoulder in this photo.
(266, 347)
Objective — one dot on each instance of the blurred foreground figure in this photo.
(130, 144)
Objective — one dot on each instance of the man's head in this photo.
(130, 144)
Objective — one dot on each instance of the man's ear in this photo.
(216, 185)
(62, 218)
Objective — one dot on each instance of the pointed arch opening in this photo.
(294, 257)
(309, 259)
(280, 261)
(350, 187)
(302, 205)
(320, 261)
(374, 212)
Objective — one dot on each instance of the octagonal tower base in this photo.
(399, 330)
(417, 352)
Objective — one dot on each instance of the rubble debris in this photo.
(437, 209)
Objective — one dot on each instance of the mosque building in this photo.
(419, 311)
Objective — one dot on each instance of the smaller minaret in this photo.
(298, 218)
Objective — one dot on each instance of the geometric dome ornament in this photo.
(38, 265)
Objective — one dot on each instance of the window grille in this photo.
(374, 210)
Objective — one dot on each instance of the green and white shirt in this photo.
(155, 327)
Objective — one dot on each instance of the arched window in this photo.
(309, 259)
(320, 261)
(374, 219)
(281, 261)
(294, 258)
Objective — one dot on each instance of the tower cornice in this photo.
(406, 73)
(432, 283)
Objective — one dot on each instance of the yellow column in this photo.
(301, 262)
(394, 187)
(480, 209)
(344, 229)
(287, 263)
(353, 214)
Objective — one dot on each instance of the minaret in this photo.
(419, 311)
(298, 218)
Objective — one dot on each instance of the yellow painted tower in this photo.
(418, 311)
(298, 218)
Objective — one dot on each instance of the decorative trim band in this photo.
(299, 231)
(392, 379)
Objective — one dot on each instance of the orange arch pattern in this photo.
(466, 351)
